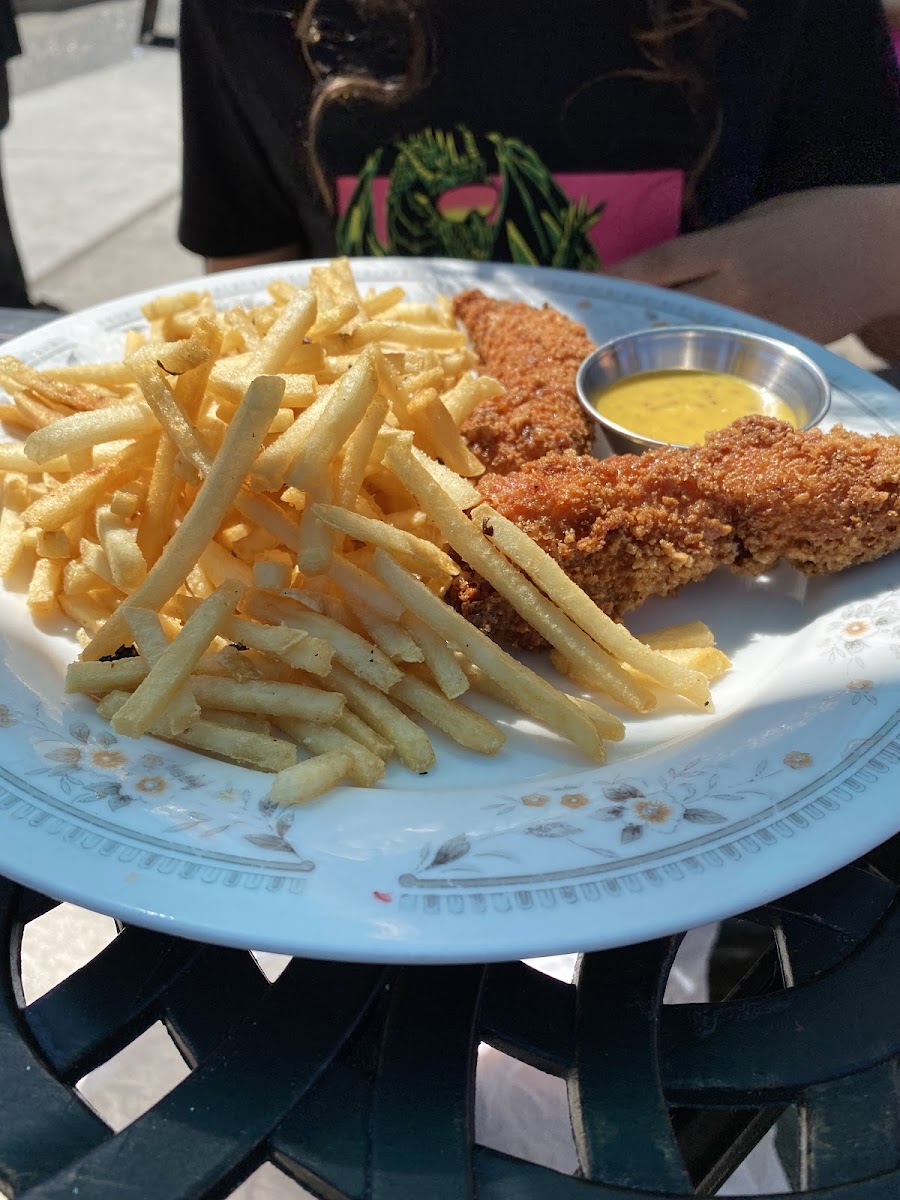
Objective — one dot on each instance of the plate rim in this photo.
(141, 909)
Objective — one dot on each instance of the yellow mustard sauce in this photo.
(682, 406)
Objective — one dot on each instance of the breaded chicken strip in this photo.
(534, 353)
(757, 493)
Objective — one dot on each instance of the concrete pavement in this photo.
(92, 156)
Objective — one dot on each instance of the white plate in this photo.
(534, 852)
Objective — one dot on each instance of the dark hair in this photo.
(394, 60)
(391, 42)
(678, 43)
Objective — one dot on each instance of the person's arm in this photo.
(824, 262)
(819, 252)
(226, 263)
(882, 337)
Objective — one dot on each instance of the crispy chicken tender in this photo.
(755, 494)
(534, 353)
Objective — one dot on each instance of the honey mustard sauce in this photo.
(682, 406)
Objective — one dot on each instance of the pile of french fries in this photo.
(253, 518)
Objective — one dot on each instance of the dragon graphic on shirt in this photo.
(447, 197)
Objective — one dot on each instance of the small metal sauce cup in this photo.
(772, 365)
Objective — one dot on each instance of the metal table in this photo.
(359, 1081)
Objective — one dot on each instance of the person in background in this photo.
(13, 290)
(745, 152)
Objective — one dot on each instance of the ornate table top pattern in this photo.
(358, 1081)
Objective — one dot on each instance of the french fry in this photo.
(78, 578)
(13, 419)
(306, 780)
(12, 531)
(155, 525)
(34, 414)
(85, 429)
(315, 543)
(412, 744)
(399, 333)
(175, 302)
(361, 587)
(54, 545)
(379, 302)
(676, 637)
(123, 674)
(241, 746)
(437, 433)
(521, 687)
(272, 574)
(219, 565)
(94, 558)
(291, 645)
(246, 721)
(365, 768)
(45, 583)
(175, 358)
(351, 650)
(14, 458)
(346, 407)
(68, 500)
(74, 496)
(462, 724)
(168, 411)
(558, 587)
(389, 637)
(254, 518)
(287, 332)
(268, 515)
(334, 319)
(608, 726)
(212, 502)
(88, 611)
(464, 494)
(358, 451)
(465, 396)
(190, 388)
(439, 658)
(388, 537)
(127, 564)
(357, 729)
(173, 667)
(708, 660)
(104, 374)
(274, 462)
(260, 751)
(126, 501)
(471, 544)
(267, 696)
(182, 709)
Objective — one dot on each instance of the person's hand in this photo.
(824, 262)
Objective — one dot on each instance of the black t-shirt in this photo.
(541, 131)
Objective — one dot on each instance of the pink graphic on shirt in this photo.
(643, 208)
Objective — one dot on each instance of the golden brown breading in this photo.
(534, 353)
(757, 493)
